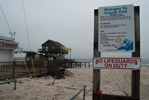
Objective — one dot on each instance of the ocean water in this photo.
(144, 62)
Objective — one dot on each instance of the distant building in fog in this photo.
(7, 47)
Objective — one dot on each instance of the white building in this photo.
(7, 47)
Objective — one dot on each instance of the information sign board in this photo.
(116, 29)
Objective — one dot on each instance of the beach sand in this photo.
(112, 82)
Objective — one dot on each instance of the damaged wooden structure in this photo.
(53, 50)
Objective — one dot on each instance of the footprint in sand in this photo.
(60, 96)
(33, 98)
(2, 97)
(17, 97)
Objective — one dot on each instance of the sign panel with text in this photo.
(116, 29)
(116, 63)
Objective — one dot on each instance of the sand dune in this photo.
(112, 82)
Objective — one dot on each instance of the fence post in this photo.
(15, 82)
(48, 63)
(135, 85)
(96, 72)
(84, 92)
(13, 70)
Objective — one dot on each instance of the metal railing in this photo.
(5, 82)
(83, 89)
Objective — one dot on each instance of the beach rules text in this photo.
(116, 29)
(116, 63)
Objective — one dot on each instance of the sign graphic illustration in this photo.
(126, 45)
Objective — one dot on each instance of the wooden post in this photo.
(70, 54)
(135, 85)
(13, 70)
(80, 64)
(72, 64)
(96, 72)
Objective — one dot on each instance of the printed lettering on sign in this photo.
(8, 45)
(116, 63)
(116, 29)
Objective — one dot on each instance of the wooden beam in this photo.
(135, 85)
(96, 72)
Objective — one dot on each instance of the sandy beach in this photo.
(112, 82)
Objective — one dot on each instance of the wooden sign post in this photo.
(135, 85)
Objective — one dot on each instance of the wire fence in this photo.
(18, 69)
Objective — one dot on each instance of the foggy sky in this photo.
(67, 21)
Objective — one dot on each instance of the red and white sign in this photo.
(8, 45)
(116, 63)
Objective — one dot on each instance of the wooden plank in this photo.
(96, 72)
(135, 85)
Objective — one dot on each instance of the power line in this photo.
(26, 25)
(5, 19)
